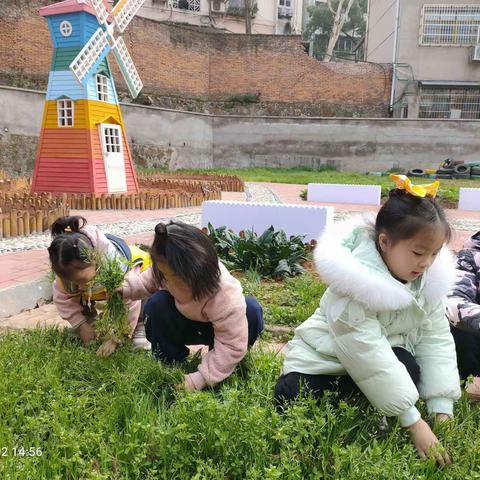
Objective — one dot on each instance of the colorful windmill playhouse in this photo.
(83, 146)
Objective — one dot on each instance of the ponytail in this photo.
(68, 225)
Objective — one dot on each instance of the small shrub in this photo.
(271, 254)
(303, 194)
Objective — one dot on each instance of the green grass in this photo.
(120, 418)
(285, 303)
(448, 188)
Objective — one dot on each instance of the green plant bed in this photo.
(120, 418)
(271, 254)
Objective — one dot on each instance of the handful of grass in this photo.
(112, 323)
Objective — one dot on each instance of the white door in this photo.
(112, 149)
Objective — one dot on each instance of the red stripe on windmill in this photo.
(83, 145)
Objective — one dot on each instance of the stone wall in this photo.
(161, 137)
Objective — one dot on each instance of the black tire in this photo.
(416, 172)
(461, 169)
(475, 177)
(445, 176)
(444, 171)
(461, 176)
(475, 170)
(448, 163)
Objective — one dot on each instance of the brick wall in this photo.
(184, 61)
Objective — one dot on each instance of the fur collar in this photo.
(370, 283)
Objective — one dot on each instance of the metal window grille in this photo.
(450, 103)
(193, 5)
(450, 25)
(112, 140)
(102, 88)
(65, 112)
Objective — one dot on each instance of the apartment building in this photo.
(435, 51)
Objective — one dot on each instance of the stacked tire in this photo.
(475, 173)
(461, 172)
(447, 170)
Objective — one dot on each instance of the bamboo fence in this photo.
(25, 213)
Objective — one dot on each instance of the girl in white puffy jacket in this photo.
(381, 326)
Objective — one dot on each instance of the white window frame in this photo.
(111, 143)
(65, 113)
(66, 28)
(101, 82)
(441, 25)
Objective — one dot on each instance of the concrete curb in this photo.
(25, 296)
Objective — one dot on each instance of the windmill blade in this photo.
(124, 11)
(90, 56)
(100, 10)
(127, 67)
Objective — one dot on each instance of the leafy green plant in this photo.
(303, 194)
(271, 254)
(113, 320)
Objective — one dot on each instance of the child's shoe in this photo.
(473, 389)
(139, 340)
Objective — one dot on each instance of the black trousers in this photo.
(170, 332)
(467, 344)
(290, 386)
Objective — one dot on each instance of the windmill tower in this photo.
(83, 146)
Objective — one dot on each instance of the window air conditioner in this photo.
(475, 53)
(218, 6)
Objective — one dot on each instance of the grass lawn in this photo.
(448, 192)
(120, 417)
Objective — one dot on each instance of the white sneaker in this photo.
(139, 340)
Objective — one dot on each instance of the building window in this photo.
(112, 139)
(66, 28)
(450, 25)
(453, 103)
(102, 88)
(65, 113)
(192, 5)
(285, 3)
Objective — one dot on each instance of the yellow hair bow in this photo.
(404, 183)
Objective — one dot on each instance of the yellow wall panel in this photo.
(87, 114)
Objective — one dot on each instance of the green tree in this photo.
(323, 20)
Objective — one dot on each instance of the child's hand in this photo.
(427, 443)
(87, 333)
(185, 386)
(442, 417)
(107, 348)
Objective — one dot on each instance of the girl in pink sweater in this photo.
(72, 294)
(194, 301)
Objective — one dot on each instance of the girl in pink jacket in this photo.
(194, 300)
(74, 299)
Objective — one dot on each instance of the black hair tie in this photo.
(161, 229)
